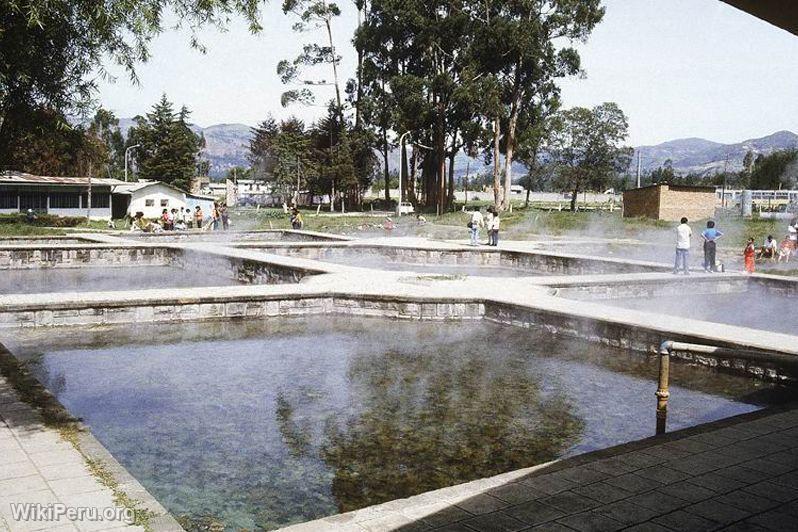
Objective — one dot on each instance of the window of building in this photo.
(8, 200)
(36, 201)
(149, 203)
(164, 203)
(64, 200)
(98, 201)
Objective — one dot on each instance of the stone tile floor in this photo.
(37, 466)
(736, 474)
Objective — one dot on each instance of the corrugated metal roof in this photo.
(22, 178)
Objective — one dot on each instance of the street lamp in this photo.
(127, 157)
(401, 170)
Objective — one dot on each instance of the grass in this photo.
(21, 229)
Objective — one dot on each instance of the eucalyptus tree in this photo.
(312, 15)
(587, 146)
(531, 43)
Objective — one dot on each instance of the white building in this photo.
(59, 196)
(149, 197)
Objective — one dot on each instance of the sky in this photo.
(677, 68)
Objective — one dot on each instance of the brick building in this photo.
(670, 202)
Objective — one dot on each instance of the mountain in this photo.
(227, 146)
(702, 156)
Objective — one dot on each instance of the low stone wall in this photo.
(776, 284)
(41, 240)
(533, 262)
(194, 309)
(78, 256)
(624, 336)
(647, 289)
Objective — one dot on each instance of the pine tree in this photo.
(169, 150)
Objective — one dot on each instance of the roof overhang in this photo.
(781, 13)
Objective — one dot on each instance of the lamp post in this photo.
(401, 170)
(127, 157)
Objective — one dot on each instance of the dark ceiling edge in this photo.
(780, 13)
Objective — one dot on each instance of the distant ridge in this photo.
(227, 146)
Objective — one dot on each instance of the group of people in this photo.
(768, 250)
(491, 221)
(184, 219)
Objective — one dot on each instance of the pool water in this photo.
(255, 425)
(47, 280)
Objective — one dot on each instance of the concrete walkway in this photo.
(39, 469)
(736, 474)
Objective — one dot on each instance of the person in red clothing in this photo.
(749, 254)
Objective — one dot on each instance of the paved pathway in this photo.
(736, 474)
(40, 468)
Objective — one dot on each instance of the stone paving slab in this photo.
(640, 486)
(41, 469)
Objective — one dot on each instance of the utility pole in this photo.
(725, 168)
(639, 165)
(88, 198)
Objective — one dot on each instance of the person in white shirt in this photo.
(494, 221)
(792, 233)
(474, 224)
(683, 236)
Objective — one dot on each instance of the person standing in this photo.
(474, 224)
(199, 216)
(710, 236)
(225, 216)
(683, 237)
(215, 217)
(187, 218)
(749, 256)
(494, 228)
(489, 224)
(792, 233)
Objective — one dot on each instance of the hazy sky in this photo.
(678, 68)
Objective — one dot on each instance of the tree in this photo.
(587, 145)
(776, 170)
(523, 45)
(312, 14)
(169, 150)
(51, 49)
(664, 174)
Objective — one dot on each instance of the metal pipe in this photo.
(667, 348)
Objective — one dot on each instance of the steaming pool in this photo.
(754, 308)
(99, 279)
(261, 424)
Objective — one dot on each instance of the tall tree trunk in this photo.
(386, 170)
(574, 196)
(450, 195)
(335, 69)
(410, 187)
(510, 136)
(496, 153)
(360, 76)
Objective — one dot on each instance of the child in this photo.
(785, 250)
(749, 254)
